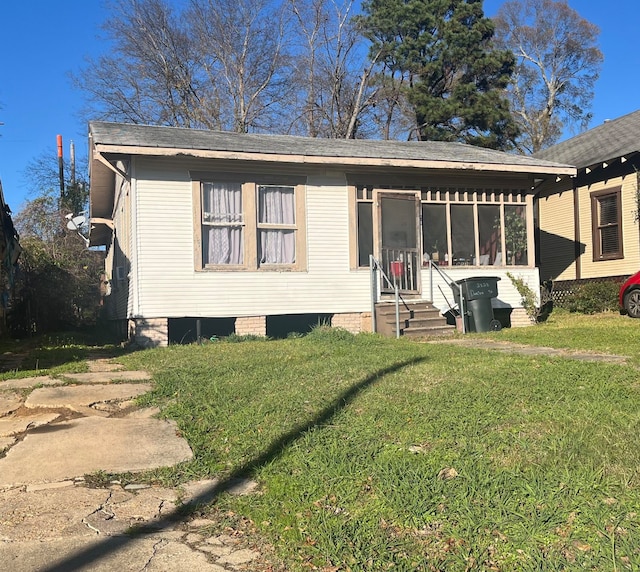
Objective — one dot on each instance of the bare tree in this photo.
(333, 77)
(558, 65)
(243, 65)
(244, 56)
(152, 74)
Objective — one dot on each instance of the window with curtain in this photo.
(222, 223)
(276, 224)
(606, 215)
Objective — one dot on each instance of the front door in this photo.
(399, 239)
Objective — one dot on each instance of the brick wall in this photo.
(353, 322)
(149, 332)
(520, 318)
(251, 325)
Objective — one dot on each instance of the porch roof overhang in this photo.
(101, 198)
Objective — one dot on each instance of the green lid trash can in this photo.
(477, 294)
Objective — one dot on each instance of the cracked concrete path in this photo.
(77, 447)
(52, 434)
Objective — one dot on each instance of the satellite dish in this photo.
(76, 222)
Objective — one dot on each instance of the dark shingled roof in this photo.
(603, 143)
(125, 135)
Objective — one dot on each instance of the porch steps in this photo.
(417, 320)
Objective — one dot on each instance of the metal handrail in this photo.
(447, 279)
(374, 266)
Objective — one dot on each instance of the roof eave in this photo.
(545, 169)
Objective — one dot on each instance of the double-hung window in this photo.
(222, 223)
(276, 224)
(246, 222)
(606, 216)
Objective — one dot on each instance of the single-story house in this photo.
(224, 232)
(589, 224)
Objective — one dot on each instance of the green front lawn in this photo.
(377, 454)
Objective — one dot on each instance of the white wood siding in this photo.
(120, 252)
(170, 287)
(167, 284)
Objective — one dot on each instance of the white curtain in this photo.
(223, 237)
(277, 206)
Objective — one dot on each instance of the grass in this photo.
(52, 354)
(376, 454)
(608, 332)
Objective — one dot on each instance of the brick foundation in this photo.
(149, 332)
(353, 322)
(251, 325)
(520, 318)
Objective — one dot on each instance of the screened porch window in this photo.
(434, 233)
(515, 235)
(463, 231)
(222, 223)
(365, 233)
(460, 226)
(276, 224)
(490, 234)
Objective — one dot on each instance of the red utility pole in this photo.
(60, 166)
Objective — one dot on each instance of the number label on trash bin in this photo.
(486, 289)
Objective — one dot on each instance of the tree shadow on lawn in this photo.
(277, 448)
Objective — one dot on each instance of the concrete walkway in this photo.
(522, 349)
(54, 432)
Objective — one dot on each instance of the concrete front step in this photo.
(417, 319)
(424, 332)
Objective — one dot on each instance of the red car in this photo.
(629, 297)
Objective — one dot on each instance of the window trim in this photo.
(250, 183)
(596, 227)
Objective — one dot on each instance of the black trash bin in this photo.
(474, 296)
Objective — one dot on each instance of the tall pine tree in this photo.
(454, 78)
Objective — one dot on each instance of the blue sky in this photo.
(42, 41)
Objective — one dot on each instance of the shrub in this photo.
(593, 297)
(528, 297)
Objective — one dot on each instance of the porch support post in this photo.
(374, 296)
(395, 286)
(431, 280)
